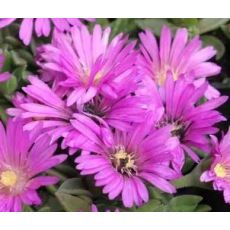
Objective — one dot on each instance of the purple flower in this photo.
(219, 171)
(42, 26)
(22, 160)
(90, 63)
(122, 161)
(191, 120)
(178, 56)
(49, 107)
(5, 75)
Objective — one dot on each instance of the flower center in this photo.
(8, 178)
(220, 171)
(178, 128)
(124, 162)
(96, 107)
(98, 77)
(162, 75)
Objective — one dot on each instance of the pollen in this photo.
(98, 77)
(8, 178)
(162, 75)
(220, 171)
(124, 162)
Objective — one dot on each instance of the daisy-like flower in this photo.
(177, 56)
(42, 26)
(5, 75)
(22, 160)
(191, 120)
(49, 107)
(122, 161)
(219, 171)
(91, 63)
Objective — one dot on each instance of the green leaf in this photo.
(157, 194)
(74, 186)
(12, 41)
(151, 206)
(184, 203)
(203, 208)
(73, 203)
(73, 196)
(193, 178)
(3, 114)
(154, 24)
(7, 62)
(208, 24)
(123, 25)
(185, 22)
(216, 43)
(226, 30)
(44, 209)
(17, 59)
(27, 208)
(103, 22)
(8, 87)
(66, 170)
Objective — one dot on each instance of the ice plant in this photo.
(219, 172)
(123, 161)
(42, 26)
(90, 63)
(179, 56)
(49, 107)
(22, 160)
(5, 75)
(192, 121)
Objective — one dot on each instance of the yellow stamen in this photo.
(163, 74)
(8, 178)
(98, 77)
(220, 171)
(124, 161)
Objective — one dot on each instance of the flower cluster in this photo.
(134, 110)
(21, 161)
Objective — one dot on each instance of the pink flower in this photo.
(22, 160)
(50, 108)
(219, 171)
(42, 26)
(178, 56)
(5, 75)
(90, 63)
(191, 120)
(122, 161)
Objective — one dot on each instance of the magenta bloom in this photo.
(219, 171)
(191, 120)
(123, 161)
(42, 26)
(178, 56)
(21, 161)
(90, 63)
(5, 75)
(50, 108)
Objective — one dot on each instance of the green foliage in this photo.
(154, 24)
(192, 179)
(210, 40)
(209, 24)
(162, 202)
(73, 196)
